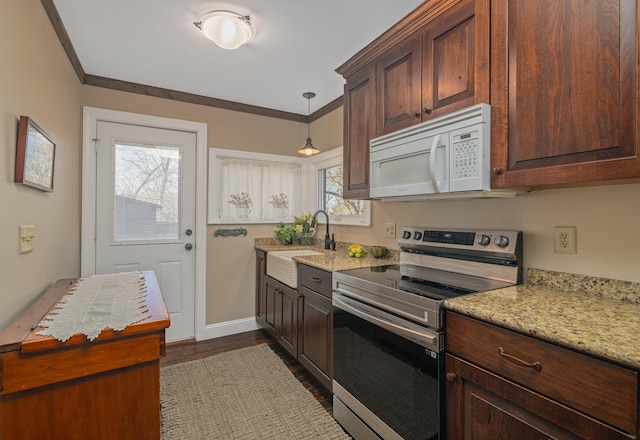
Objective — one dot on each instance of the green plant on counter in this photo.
(286, 233)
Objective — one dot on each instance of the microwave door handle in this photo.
(432, 163)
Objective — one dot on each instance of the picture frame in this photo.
(35, 156)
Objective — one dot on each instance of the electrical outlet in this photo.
(390, 230)
(566, 240)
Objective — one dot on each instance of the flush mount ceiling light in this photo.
(227, 29)
(308, 149)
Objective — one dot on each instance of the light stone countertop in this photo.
(329, 260)
(591, 315)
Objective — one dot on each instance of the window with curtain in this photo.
(263, 189)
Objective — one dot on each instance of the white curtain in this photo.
(260, 180)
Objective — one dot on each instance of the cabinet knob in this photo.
(415, 114)
(451, 377)
(426, 111)
(496, 171)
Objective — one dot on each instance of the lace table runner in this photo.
(96, 303)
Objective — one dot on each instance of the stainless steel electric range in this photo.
(388, 327)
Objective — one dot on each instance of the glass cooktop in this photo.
(390, 276)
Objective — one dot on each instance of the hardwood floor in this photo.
(185, 351)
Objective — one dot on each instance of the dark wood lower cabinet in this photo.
(482, 405)
(269, 299)
(287, 318)
(300, 320)
(316, 330)
(278, 306)
(502, 384)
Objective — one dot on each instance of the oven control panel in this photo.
(473, 240)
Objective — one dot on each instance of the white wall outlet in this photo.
(566, 240)
(390, 230)
(26, 235)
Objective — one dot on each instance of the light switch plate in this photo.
(26, 237)
(389, 230)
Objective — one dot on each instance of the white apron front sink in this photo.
(282, 267)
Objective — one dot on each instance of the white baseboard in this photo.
(229, 328)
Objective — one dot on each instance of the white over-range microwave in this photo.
(447, 155)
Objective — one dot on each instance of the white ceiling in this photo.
(297, 46)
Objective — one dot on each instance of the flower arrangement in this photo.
(241, 200)
(280, 200)
(303, 225)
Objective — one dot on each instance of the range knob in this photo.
(502, 241)
(406, 235)
(417, 235)
(484, 240)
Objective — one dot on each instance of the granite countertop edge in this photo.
(595, 316)
(329, 260)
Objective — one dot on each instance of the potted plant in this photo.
(286, 233)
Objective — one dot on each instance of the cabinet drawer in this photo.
(602, 390)
(315, 279)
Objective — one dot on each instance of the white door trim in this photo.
(91, 115)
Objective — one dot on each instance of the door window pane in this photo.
(146, 201)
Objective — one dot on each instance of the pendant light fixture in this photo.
(308, 149)
(228, 30)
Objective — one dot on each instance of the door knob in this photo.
(188, 246)
(188, 232)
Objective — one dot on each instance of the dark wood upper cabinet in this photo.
(442, 69)
(455, 54)
(399, 75)
(359, 128)
(562, 82)
(432, 62)
(563, 91)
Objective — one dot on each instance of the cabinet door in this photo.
(398, 75)
(359, 127)
(271, 290)
(261, 268)
(564, 91)
(287, 319)
(455, 59)
(482, 405)
(316, 328)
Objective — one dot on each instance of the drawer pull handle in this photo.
(535, 365)
(316, 280)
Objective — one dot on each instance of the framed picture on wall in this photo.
(35, 156)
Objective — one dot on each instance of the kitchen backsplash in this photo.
(615, 289)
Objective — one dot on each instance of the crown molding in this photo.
(158, 92)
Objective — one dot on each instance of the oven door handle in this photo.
(423, 337)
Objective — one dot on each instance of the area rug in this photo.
(243, 394)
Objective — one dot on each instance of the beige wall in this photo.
(599, 213)
(37, 80)
(230, 260)
(606, 218)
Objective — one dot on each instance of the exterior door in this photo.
(145, 211)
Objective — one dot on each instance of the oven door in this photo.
(384, 375)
